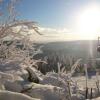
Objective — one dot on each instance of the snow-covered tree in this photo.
(16, 31)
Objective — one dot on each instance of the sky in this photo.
(52, 13)
(62, 16)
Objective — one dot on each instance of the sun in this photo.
(88, 23)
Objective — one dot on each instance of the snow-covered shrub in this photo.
(14, 31)
(54, 81)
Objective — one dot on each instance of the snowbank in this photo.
(5, 95)
(46, 92)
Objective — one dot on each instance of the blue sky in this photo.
(52, 13)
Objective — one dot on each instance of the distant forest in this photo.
(66, 53)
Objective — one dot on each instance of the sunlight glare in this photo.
(89, 21)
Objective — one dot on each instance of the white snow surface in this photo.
(5, 95)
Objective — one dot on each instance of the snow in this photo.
(46, 92)
(5, 95)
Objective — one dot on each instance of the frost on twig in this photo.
(75, 66)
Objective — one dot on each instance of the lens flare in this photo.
(88, 23)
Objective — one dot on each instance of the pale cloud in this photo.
(53, 30)
(53, 34)
(65, 34)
